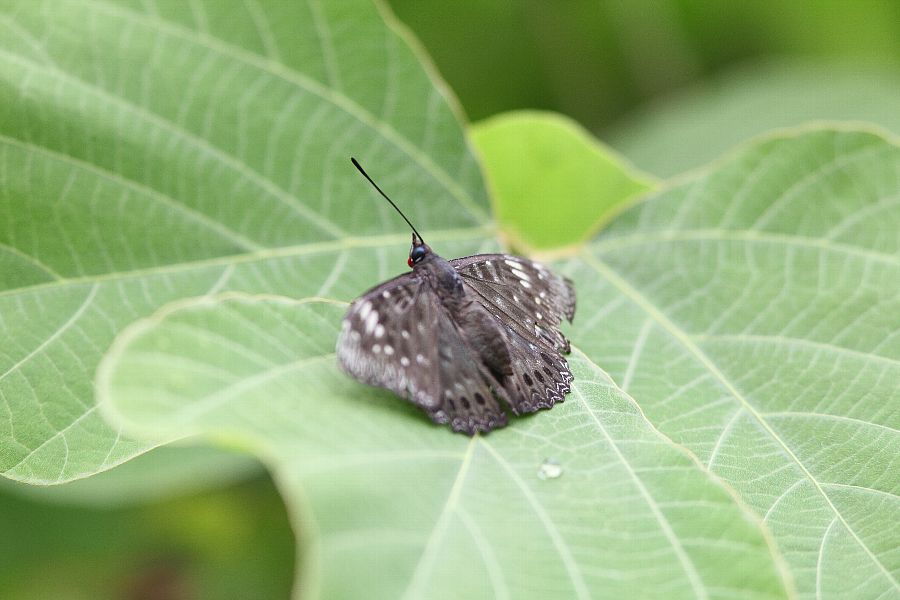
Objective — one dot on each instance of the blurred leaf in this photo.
(392, 507)
(690, 128)
(552, 183)
(192, 547)
(597, 61)
(152, 152)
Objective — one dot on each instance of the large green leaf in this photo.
(155, 151)
(572, 503)
(150, 152)
(754, 313)
(760, 332)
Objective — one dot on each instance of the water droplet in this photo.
(550, 469)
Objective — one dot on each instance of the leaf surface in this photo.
(754, 312)
(390, 506)
(151, 152)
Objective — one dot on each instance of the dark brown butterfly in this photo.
(465, 340)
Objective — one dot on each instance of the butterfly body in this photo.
(465, 340)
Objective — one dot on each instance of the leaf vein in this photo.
(607, 272)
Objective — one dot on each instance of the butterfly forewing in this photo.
(400, 337)
(386, 340)
(522, 294)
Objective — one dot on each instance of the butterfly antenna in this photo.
(375, 185)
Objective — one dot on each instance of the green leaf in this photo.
(196, 542)
(754, 313)
(153, 152)
(391, 506)
(759, 332)
(552, 183)
(687, 130)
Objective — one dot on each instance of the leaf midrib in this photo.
(226, 232)
(348, 243)
(738, 235)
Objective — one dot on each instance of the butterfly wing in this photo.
(530, 302)
(468, 390)
(384, 339)
(521, 293)
(399, 336)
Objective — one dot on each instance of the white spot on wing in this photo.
(376, 348)
(371, 321)
(525, 284)
(364, 309)
(404, 361)
(388, 350)
(379, 330)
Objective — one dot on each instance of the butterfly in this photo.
(466, 340)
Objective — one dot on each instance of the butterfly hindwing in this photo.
(468, 388)
(540, 376)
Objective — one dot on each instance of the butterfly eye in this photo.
(415, 255)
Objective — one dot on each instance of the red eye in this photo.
(409, 262)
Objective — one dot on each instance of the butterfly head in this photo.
(418, 251)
